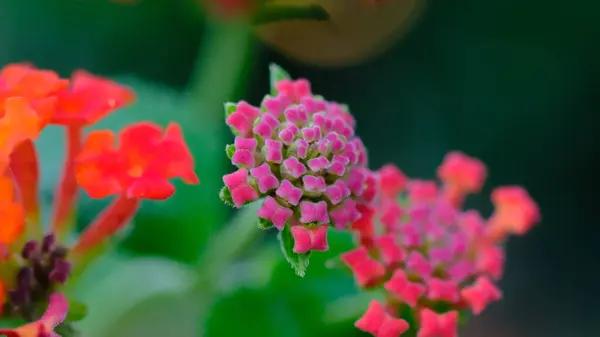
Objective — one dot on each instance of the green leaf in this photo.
(77, 311)
(116, 284)
(277, 12)
(299, 262)
(276, 74)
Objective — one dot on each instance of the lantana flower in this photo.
(299, 153)
(34, 264)
(432, 258)
(85, 102)
(139, 167)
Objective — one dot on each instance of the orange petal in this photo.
(12, 73)
(13, 222)
(97, 142)
(22, 118)
(92, 176)
(6, 189)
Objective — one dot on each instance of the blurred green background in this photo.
(515, 84)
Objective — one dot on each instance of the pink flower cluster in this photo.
(429, 255)
(298, 152)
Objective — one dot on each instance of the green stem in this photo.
(229, 244)
(220, 74)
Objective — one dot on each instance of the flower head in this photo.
(34, 266)
(299, 152)
(140, 166)
(427, 253)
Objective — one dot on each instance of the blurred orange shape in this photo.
(358, 30)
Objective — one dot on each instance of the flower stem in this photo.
(114, 217)
(227, 246)
(66, 192)
(24, 168)
(220, 74)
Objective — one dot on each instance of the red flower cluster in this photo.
(429, 256)
(139, 168)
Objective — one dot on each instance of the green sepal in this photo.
(264, 223)
(276, 74)
(230, 150)
(230, 108)
(225, 196)
(299, 262)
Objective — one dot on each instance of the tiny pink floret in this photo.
(480, 294)
(271, 210)
(241, 191)
(442, 290)
(318, 164)
(392, 254)
(403, 289)
(294, 168)
(314, 184)
(438, 325)
(308, 239)
(379, 323)
(273, 153)
(367, 271)
(344, 214)
(289, 192)
(265, 179)
(314, 212)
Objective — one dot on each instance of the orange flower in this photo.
(37, 87)
(13, 216)
(55, 314)
(89, 99)
(141, 165)
(25, 80)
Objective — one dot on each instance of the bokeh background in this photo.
(516, 84)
